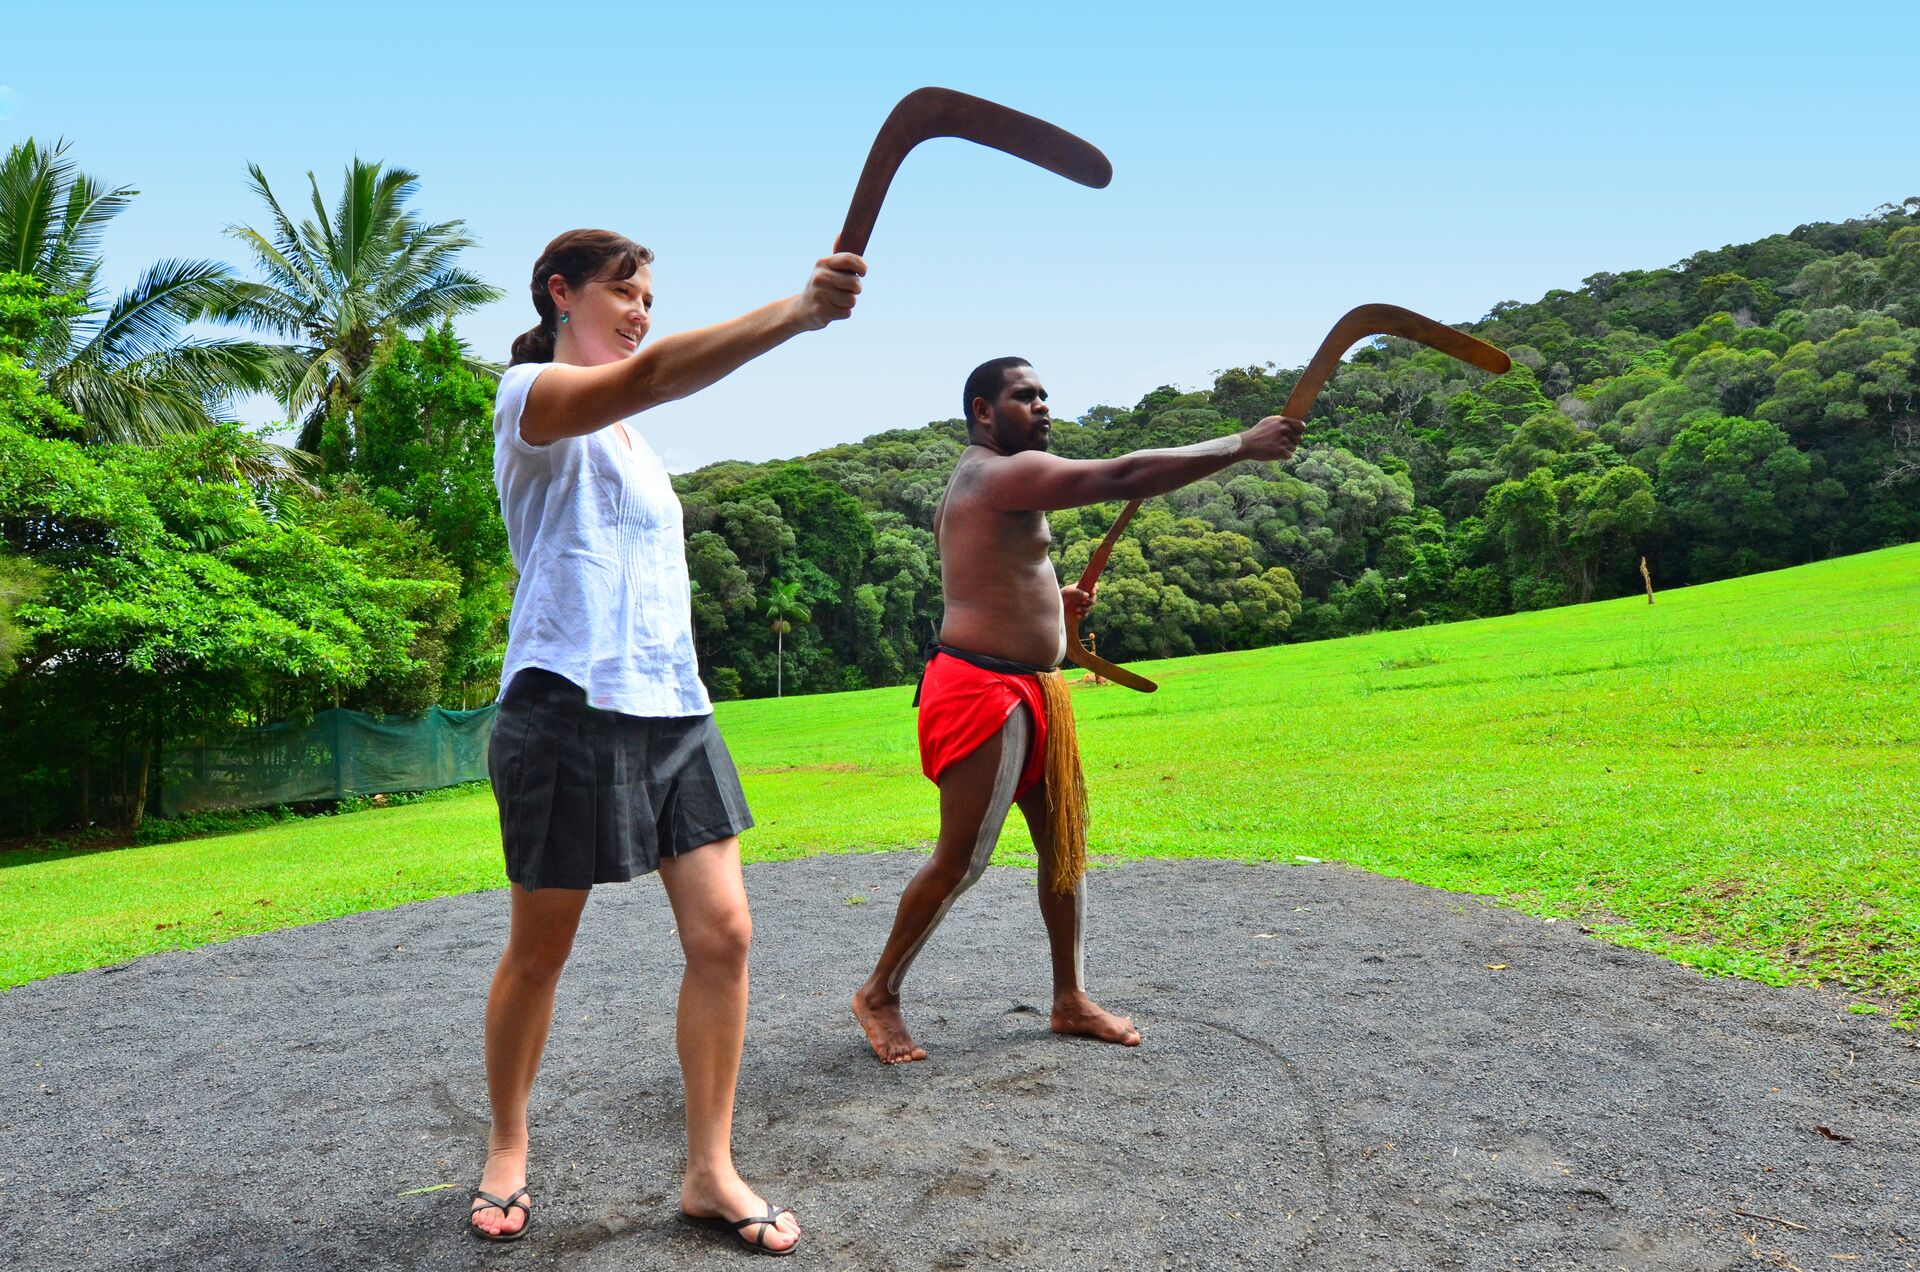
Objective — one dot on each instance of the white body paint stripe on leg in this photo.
(1014, 742)
(1080, 934)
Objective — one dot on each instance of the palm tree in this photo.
(338, 284)
(127, 367)
(783, 609)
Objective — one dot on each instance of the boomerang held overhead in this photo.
(926, 113)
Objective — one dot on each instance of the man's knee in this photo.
(977, 864)
(948, 872)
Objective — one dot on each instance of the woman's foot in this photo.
(504, 1176)
(731, 1200)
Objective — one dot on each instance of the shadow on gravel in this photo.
(1331, 1077)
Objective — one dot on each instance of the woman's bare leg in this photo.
(519, 1015)
(709, 900)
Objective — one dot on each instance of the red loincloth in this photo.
(962, 705)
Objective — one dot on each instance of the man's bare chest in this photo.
(993, 537)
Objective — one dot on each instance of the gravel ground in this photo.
(1332, 1077)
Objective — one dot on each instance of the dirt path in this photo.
(1331, 1077)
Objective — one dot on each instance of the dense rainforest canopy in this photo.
(1748, 408)
(166, 575)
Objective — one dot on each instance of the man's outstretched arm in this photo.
(1034, 481)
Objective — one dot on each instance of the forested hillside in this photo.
(1748, 408)
(167, 576)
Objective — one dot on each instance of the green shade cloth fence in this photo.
(340, 753)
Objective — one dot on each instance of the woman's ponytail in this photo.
(533, 345)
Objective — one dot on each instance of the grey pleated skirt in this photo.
(589, 796)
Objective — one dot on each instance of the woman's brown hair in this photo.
(579, 256)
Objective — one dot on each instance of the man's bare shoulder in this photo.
(986, 479)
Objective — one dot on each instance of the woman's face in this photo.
(606, 319)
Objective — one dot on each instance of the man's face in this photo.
(1018, 420)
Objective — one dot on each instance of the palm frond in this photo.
(178, 389)
(286, 274)
(443, 296)
(135, 404)
(481, 366)
(313, 425)
(416, 264)
(150, 316)
(83, 223)
(319, 232)
(222, 368)
(316, 377)
(128, 369)
(52, 215)
(265, 463)
(264, 308)
(28, 192)
(288, 257)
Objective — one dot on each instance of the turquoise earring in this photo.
(563, 318)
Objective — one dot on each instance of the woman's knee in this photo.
(540, 935)
(537, 958)
(721, 937)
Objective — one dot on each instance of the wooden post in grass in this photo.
(1092, 677)
(1649, 579)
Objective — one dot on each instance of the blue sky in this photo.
(1272, 167)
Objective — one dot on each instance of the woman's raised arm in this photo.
(567, 400)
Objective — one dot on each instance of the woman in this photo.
(605, 760)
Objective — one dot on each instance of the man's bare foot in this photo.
(886, 1029)
(724, 1195)
(505, 1174)
(1075, 1013)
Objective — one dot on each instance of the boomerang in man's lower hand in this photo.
(1358, 324)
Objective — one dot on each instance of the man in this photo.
(996, 728)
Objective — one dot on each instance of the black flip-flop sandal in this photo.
(519, 1200)
(738, 1228)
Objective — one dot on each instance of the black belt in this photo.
(986, 662)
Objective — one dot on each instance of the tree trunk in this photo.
(86, 785)
(137, 808)
(120, 780)
(779, 659)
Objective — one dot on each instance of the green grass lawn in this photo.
(1730, 777)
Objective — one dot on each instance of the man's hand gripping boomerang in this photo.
(940, 112)
(1358, 324)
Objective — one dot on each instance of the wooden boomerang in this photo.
(940, 112)
(1357, 325)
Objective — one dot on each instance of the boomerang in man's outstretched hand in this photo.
(926, 113)
(1357, 325)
